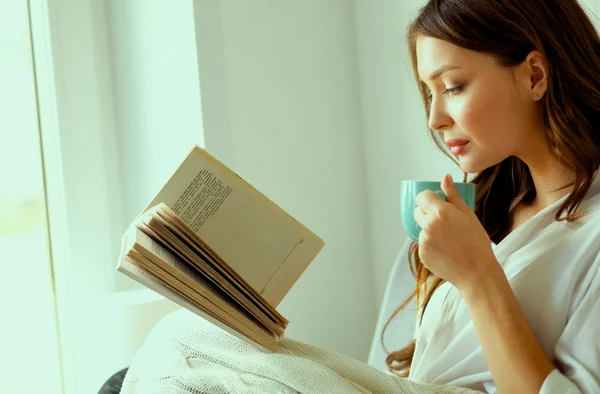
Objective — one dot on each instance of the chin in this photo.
(470, 166)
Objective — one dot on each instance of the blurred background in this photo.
(311, 101)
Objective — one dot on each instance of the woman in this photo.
(513, 89)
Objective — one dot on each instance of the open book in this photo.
(213, 244)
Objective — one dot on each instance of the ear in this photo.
(535, 70)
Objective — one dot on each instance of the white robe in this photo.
(554, 271)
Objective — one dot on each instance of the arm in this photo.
(515, 357)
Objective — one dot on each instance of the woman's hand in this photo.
(452, 243)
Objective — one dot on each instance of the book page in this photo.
(183, 279)
(129, 267)
(163, 240)
(267, 247)
(198, 248)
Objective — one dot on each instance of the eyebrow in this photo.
(437, 73)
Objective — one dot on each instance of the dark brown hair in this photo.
(509, 30)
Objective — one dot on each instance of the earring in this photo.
(537, 96)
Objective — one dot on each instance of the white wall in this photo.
(288, 83)
(593, 9)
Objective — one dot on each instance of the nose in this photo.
(438, 117)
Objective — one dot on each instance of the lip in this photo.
(452, 143)
(457, 147)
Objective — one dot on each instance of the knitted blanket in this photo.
(186, 354)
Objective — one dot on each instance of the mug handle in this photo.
(441, 194)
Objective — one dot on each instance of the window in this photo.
(28, 330)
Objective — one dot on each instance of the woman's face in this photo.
(474, 98)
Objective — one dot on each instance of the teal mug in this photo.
(409, 191)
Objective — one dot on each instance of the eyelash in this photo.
(453, 91)
(450, 92)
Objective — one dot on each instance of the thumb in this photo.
(453, 195)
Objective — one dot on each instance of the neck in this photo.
(550, 178)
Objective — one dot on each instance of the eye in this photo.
(454, 91)
(428, 94)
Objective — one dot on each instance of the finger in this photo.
(453, 195)
(420, 217)
(428, 200)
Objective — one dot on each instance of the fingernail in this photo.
(450, 179)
